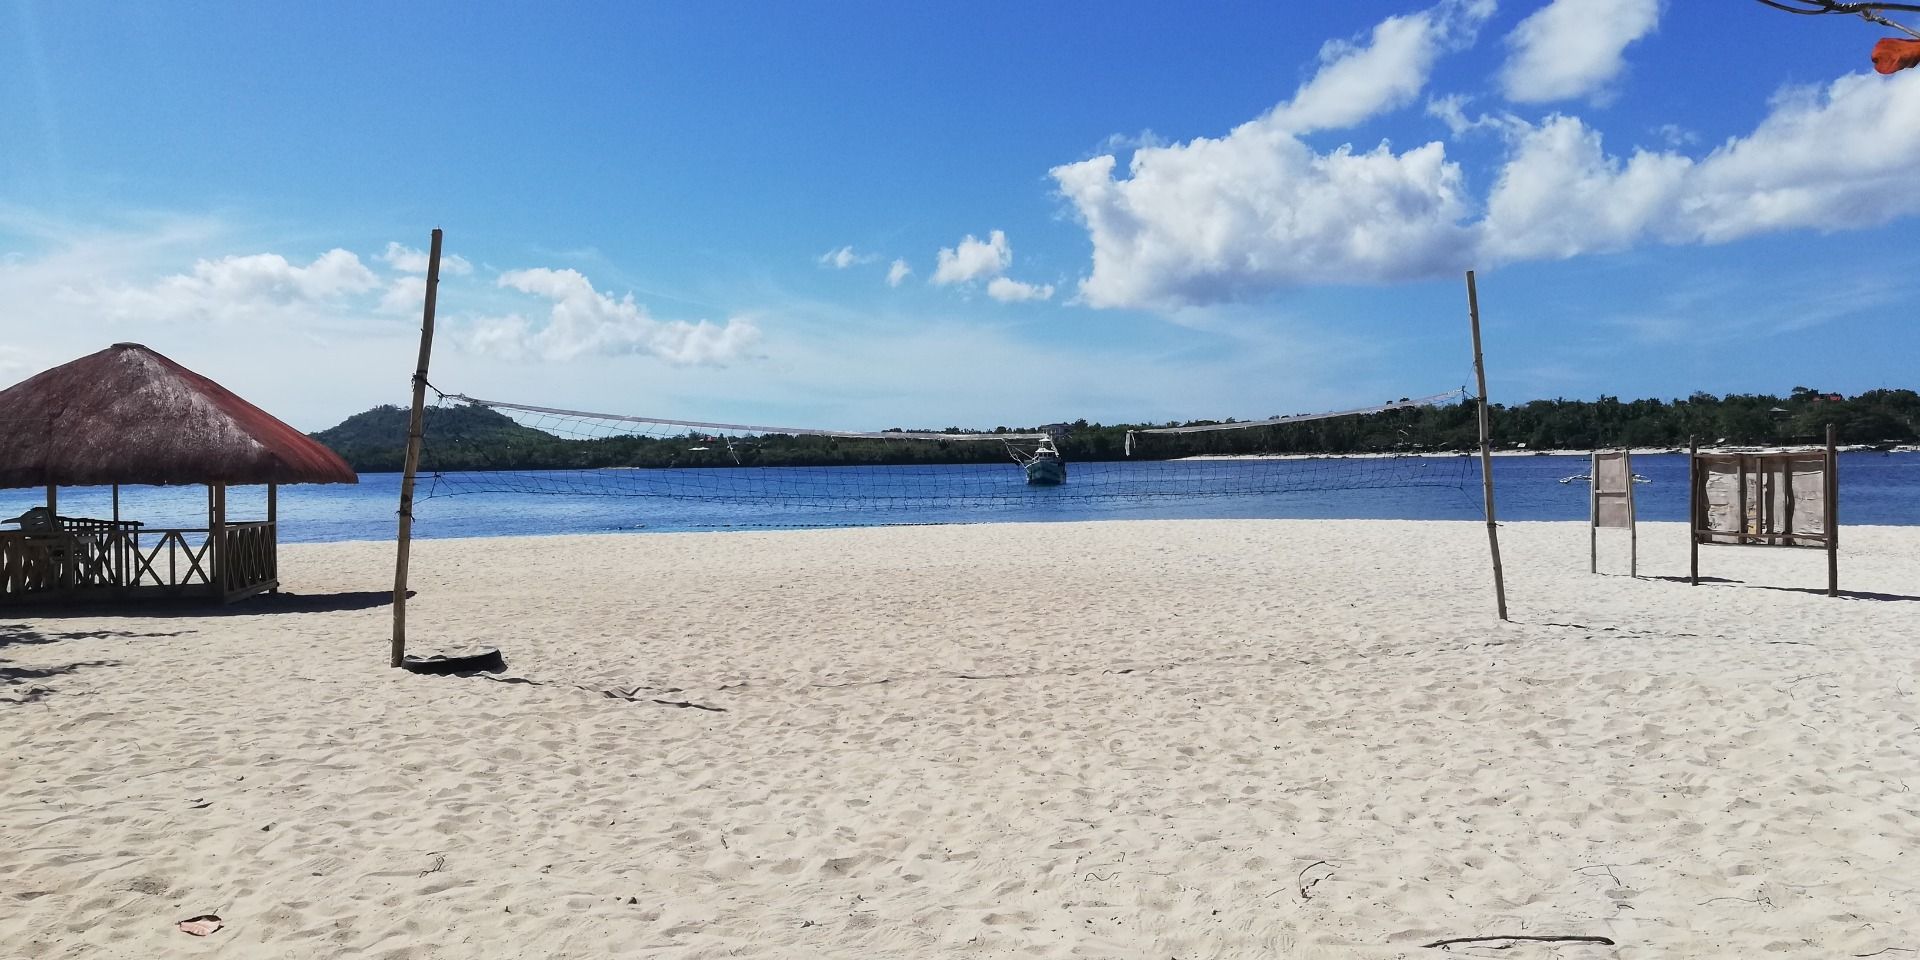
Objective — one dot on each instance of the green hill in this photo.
(375, 440)
(477, 438)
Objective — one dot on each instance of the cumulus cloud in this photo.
(1216, 219)
(1013, 291)
(1235, 217)
(845, 257)
(235, 288)
(973, 259)
(1824, 159)
(1573, 48)
(582, 320)
(410, 260)
(898, 273)
(404, 295)
(1452, 111)
(1355, 81)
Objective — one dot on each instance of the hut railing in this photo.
(248, 558)
(95, 557)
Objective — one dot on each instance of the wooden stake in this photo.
(1693, 510)
(1833, 514)
(415, 425)
(1486, 449)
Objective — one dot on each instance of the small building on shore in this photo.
(128, 415)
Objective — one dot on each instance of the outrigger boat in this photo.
(1044, 466)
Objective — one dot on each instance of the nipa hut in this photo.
(128, 415)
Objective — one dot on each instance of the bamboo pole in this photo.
(1833, 514)
(1486, 449)
(415, 425)
(1693, 510)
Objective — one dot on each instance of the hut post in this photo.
(119, 545)
(1833, 514)
(1486, 449)
(415, 426)
(217, 535)
(53, 528)
(273, 535)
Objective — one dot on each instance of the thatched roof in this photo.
(130, 415)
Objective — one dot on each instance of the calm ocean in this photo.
(1875, 488)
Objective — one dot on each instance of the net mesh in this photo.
(474, 446)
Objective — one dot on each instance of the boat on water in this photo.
(1044, 466)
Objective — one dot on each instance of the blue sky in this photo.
(693, 211)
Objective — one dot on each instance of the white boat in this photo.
(1044, 466)
(1588, 478)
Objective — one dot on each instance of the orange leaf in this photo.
(1892, 55)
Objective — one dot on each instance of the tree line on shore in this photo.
(480, 438)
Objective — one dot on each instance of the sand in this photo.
(1128, 739)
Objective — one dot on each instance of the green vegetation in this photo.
(477, 438)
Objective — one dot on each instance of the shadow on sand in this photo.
(17, 686)
(160, 609)
(1818, 591)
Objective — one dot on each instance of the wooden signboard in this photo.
(1767, 500)
(1612, 506)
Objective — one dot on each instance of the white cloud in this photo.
(845, 257)
(898, 273)
(404, 295)
(1830, 159)
(1559, 194)
(1356, 82)
(1235, 217)
(409, 260)
(1013, 291)
(584, 321)
(1218, 219)
(1675, 135)
(247, 288)
(1452, 111)
(1573, 48)
(973, 259)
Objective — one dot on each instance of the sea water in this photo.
(1875, 488)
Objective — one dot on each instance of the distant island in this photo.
(479, 438)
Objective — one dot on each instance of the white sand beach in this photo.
(1155, 739)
